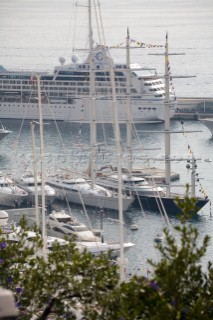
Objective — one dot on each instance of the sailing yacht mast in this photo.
(35, 173)
(93, 134)
(128, 104)
(42, 163)
(167, 121)
(116, 132)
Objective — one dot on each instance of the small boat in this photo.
(207, 160)
(159, 238)
(134, 227)
(60, 224)
(3, 132)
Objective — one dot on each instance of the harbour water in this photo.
(35, 34)
(16, 156)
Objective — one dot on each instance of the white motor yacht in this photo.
(97, 248)
(10, 194)
(27, 183)
(15, 237)
(94, 247)
(131, 184)
(80, 190)
(60, 224)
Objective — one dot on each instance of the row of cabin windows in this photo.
(140, 108)
(33, 106)
(86, 74)
(80, 85)
(51, 87)
(84, 78)
(49, 77)
(155, 89)
(152, 83)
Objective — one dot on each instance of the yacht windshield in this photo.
(76, 228)
(64, 220)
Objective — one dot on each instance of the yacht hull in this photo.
(153, 203)
(142, 111)
(12, 200)
(74, 196)
(48, 199)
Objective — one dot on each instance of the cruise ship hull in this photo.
(141, 112)
(67, 94)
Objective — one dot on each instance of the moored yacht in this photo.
(27, 183)
(15, 236)
(10, 194)
(97, 248)
(61, 224)
(82, 191)
(132, 185)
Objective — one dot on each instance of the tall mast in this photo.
(42, 163)
(167, 131)
(128, 105)
(118, 150)
(35, 173)
(167, 121)
(93, 134)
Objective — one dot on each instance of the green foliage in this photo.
(65, 279)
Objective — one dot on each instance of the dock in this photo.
(191, 108)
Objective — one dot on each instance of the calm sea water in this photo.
(34, 34)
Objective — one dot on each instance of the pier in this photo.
(194, 108)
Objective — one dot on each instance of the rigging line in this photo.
(140, 205)
(84, 209)
(101, 22)
(97, 21)
(55, 122)
(73, 17)
(15, 145)
(160, 203)
(190, 152)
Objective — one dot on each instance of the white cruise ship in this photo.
(66, 92)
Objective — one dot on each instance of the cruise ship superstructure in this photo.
(66, 92)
